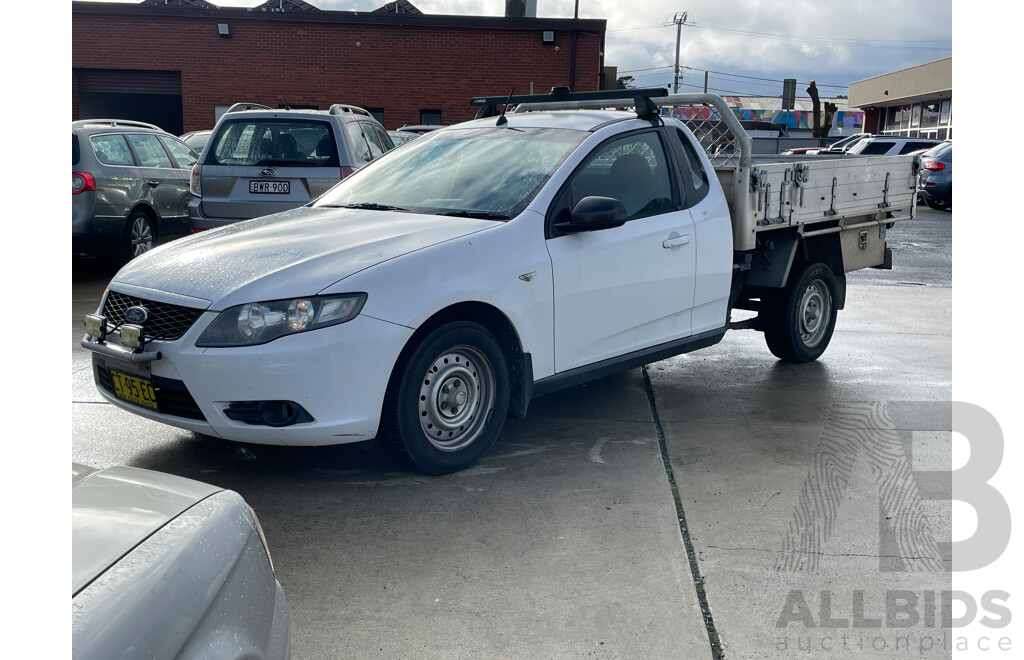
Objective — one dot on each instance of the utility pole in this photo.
(679, 19)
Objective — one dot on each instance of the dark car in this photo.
(129, 186)
(936, 188)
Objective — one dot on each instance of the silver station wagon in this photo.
(129, 186)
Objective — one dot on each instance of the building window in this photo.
(930, 114)
(430, 117)
(377, 113)
(893, 119)
(915, 116)
(944, 113)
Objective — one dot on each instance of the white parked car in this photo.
(890, 145)
(435, 291)
(167, 567)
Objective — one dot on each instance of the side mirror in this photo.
(594, 213)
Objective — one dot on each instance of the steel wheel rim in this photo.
(814, 313)
(141, 236)
(455, 398)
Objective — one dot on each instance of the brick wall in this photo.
(400, 68)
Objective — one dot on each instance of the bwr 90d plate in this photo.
(134, 390)
(273, 187)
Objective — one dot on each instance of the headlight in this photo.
(258, 323)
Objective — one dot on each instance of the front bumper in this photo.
(338, 374)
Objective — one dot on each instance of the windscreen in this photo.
(489, 172)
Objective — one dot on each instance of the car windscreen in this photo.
(279, 142)
(489, 172)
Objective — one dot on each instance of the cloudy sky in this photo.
(748, 46)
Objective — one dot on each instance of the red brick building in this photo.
(178, 63)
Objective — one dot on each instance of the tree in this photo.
(819, 128)
(624, 82)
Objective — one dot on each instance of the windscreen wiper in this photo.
(483, 215)
(373, 206)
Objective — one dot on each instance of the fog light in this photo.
(131, 336)
(96, 326)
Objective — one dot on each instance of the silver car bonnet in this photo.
(116, 509)
(295, 253)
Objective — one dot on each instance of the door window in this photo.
(384, 138)
(149, 150)
(111, 150)
(376, 149)
(633, 170)
(185, 157)
(694, 176)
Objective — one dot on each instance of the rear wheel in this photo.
(447, 404)
(138, 236)
(799, 319)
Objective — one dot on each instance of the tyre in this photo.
(800, 318)
(932, 204)
(138, 236)
(447, 403)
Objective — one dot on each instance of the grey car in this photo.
(196, 140)
(167, 567)
(129, 187)
(263, 161)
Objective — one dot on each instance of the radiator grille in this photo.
(167, 322)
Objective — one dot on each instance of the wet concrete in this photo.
(566, 539)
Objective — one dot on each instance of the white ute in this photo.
(434, 292)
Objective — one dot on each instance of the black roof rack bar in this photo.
(646, 109)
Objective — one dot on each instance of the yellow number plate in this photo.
(134, 390)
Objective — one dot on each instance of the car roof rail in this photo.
(118, 123)
(640, 98)
(239, 107)
(342, 109)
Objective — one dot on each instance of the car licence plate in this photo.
(134, 390)
(274, 187)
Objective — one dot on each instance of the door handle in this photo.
(674, 240)
(153, 182)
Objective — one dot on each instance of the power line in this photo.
(853, 43)
(762, 82)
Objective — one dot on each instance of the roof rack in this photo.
(341, 108)
(119, 123)
(639, 98)
(724, 113)
(239, 107)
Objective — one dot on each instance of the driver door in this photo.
(631, 287)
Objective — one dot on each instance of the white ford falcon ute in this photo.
(431, 294)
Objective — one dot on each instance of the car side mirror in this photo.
(592, 214)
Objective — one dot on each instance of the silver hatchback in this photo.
(264, 161)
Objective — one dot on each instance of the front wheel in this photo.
(800, 319)
(447, 404)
